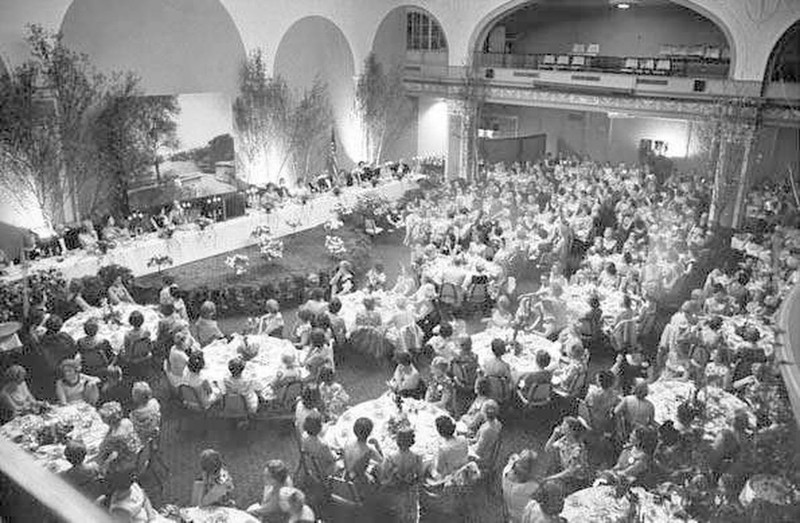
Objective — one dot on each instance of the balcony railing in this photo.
(681, 66)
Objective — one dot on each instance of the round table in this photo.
(216, 515)
(87, 427)
(421, 415)
(262, 369)
(668, 394)
(385, 305)
(598, 505)
(521, 363)
(436, 268)
(113, 323)
(577, 299)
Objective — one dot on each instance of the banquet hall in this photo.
(502, 261)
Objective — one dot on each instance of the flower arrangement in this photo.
(335, 246)
(271, 248)
(160, 262)
(239, 263)
(203, 222)
(333, 224)
(370, 207)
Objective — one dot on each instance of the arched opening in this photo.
(784, 62)
(410, 38)
(180, 46)
(314, 47)
(651, 36)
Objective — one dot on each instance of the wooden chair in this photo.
(630, 65)
(450, 295)
(549, 61)
(499, 389)
(663, 66)
(578, 62)
(345, 493)
(282, 406)
(234, 406)
(593, 49)
(371, 228)
(562, 61)
(535, 396)
(578, 48)
(138, 361)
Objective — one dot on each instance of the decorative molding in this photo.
(656, 106)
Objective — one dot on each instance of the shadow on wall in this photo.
(180, 46)
(315, 47)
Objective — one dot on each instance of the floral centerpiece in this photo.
(159, 262)
(335, 247)
(203, 222)
(239, 263)
(111, 315)
(271, 248)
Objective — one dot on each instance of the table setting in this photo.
(112, 322)
(522, 359)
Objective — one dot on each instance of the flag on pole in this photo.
(333, 164)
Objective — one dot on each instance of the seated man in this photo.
(530, 381)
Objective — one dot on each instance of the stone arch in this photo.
(312, 47)
(179, 46)
(790, 39)
(481, 30)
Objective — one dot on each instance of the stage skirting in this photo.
(192, 244)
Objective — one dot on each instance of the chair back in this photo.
(141, 351)
(549, 59)
(499, 388)
(234, 406)
(465, 373)
(578, 48)
(631, 63)
(593, 49)
(345, 492)
(478, 292)
(538, 395)
(94, 359)
(663, 65)
(624, 334)
(287, 394)
(562, 59)
(190, 398)
(578, 61)
(449, 294)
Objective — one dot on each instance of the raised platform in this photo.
(192, 244)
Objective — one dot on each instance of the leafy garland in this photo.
(271, 248)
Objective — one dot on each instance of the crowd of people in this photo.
(618, 255)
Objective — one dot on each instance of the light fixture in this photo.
(623, 5)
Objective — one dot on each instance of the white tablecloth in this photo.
(216, 515)
(192, 244)
(436, 268)
(421, 415)
(114, 329)
(523, 362)
(262, 369)
(353, 303)
(666, 395)
(577, 300)
(87, 427)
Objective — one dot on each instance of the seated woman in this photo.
(600, 401)
(634, 411)
(136, 349)
(215, 487)
(635, 462)
(342, 280)
(178, 358)
(95, 354)
(272, 323)
(474, 418)
(178, 304)
(74, 387)
(127, 501)
(566, 450)
(15, 397)
(317, 460)
(320, 353)
(294, 507)
(146, 412)
(402, 328)
(483, 446)
(87, 478)
(309, 404)
(453, 452)
(545, 505)
(403, 472)
(238, 384)
(719, 372)
(276, 477)
(443, 344)
(441, 390)
(568, 379)
(501, 315)
(406, 380)
(75, 298)
(302, 328)
(206, 325)
(363, 455)
(335, 399)
(368, 337)
(496, 366)
(207, 391)
(121, 445)
(731, 446)
(111, 233)
(118, 293)
(520, 480)
(289, 371)
(316, 302)
(405, 284)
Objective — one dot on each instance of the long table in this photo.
(192, 244)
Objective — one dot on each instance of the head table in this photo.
(27, 431)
